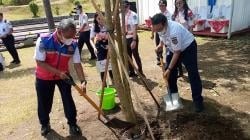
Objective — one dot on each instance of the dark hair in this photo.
(164, 2)
(96, 24)
(185, 7)
(1, 14)
(159, 18)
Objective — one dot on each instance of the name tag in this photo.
(100, 65)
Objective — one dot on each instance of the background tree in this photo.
(49, 15)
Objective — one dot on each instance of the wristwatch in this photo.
(84, 81)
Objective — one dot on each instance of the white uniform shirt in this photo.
(131, 20)
(167, 14)
(180, 18)
(101, 35)
(177, 37)
(40, 53)
(83, 19)
(5, 27)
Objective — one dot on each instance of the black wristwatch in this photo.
(84, 81)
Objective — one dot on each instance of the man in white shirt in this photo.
(131, 22)
(163, 8)
(6, 31)
(182, 48)
(84, 33)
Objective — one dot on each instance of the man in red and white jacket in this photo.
(52, 55)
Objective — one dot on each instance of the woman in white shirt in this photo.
(184, 16)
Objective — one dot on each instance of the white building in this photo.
(236, 11)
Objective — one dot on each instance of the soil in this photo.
(224, 67)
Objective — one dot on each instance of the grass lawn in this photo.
(23, 12)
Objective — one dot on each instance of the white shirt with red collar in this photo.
(180, 18)
(176, 38)
(167, 14)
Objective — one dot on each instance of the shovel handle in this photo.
(88, 99)
(163, 70)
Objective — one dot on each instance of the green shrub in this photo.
(76, 2)
(34, 8)
(20, 2)
(71, 1)
(57, 12)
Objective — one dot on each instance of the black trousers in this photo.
(9, 43)
(45, 92)
(135, 53)
(84, 37)
(189, 59)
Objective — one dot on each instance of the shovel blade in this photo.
(172, 102)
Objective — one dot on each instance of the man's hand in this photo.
(159, 48)
(63, 75)
(83, 87)
(152, 36)
(166, 74)
(133, 44)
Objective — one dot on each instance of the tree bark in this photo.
(49, 15)
(123, 92)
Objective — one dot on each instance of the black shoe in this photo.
(17, 62)
(13, 62)
(45, 129)
(75, 130)
(132, 75)
(199, 108)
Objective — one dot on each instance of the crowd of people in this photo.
(172, 33)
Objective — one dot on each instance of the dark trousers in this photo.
(45, 92)
(135, 53)
(157, 42)
(189, 59)
(84, 37)
(9, 43)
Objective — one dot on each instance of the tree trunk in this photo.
(123, 92)
(49, 15)
(124, 42)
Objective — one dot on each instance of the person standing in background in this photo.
(84, 33)
(164, 11)
(8, 39)
(131, 22)
(184, 16)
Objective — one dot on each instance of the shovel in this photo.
(110, 122)
(172, 100)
